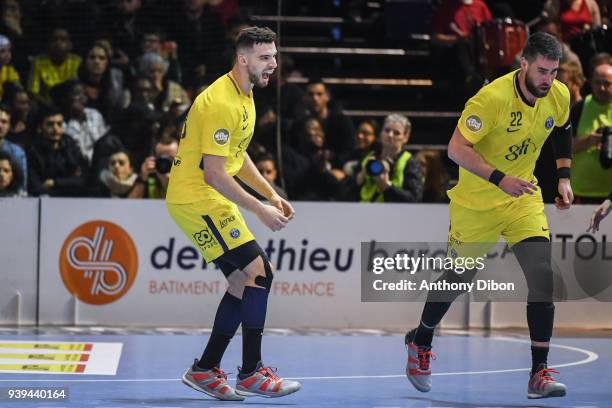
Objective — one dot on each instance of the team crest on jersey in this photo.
(235, 233)
(221, 136)
(549, 123)
(474, 123)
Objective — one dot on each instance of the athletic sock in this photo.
(539, 355)
(424, 335)
(253, 313)
(251, 350)
(226, 323)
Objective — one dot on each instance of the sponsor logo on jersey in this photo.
(474, 123)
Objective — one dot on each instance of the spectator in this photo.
(126, 20)
(7, 71)
(154, 40)
(453, 23)
(399, 177)
(18, 101)
(103, 84)
(137, 125)
(552, 27)
(118, 178)
(590, 180)
(55, 67)
(198, 30)
(84, 125)
(56, 166)
(267, 167)
(118, 58)
(364, 142)
(165, 92)
(571, 75)
(13, 27)
(436, 177)
(292, 98)
(154, 173)
(338, 128)
(320, 181)
(16, 152)
(577, 16)
(11, 179)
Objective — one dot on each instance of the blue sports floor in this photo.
(350, 369)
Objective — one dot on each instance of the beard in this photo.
(533, 89)
(255, 80)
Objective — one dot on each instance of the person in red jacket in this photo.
(453, 24)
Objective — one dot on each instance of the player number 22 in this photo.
(516, 118)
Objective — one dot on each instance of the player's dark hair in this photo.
(542, 44)
(248, 37)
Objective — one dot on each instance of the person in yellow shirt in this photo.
(7, 71)
(496, 144)
(55, 67)
(203, 199)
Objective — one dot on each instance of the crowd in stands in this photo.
(94, 93)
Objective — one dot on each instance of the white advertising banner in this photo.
(127, 263)
(18, 259)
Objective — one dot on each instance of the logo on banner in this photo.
(98, 262)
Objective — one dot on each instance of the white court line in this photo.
(591, 356)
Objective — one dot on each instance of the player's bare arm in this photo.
(216, 176)
(461, 151)
(250, 175)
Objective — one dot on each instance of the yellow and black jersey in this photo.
(220, 122)
(508, 133)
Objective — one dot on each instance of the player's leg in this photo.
(533, 251)
(205, 374)
(470, 235)
(254, 378)
(227, 318)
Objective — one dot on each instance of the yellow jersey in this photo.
(44, 74)
(220, 122)
(8, 74)
(508, 133)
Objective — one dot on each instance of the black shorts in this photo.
(239, 257)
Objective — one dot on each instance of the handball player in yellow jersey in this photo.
(496, 144)
(203, 199)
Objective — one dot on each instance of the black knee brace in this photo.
(534, 254)
(265, 281)
(540, 318)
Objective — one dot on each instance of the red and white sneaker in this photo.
(211, 382)
(417, 367)
(264, 382)
(542, 385)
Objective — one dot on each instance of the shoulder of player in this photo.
(495, 93)
(559, 89)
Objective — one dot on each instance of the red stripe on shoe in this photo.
(277, 386)
(416, 371)
(214, 384)
(248, 382)
(264, 385)
(200, 376)
(224, 389)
